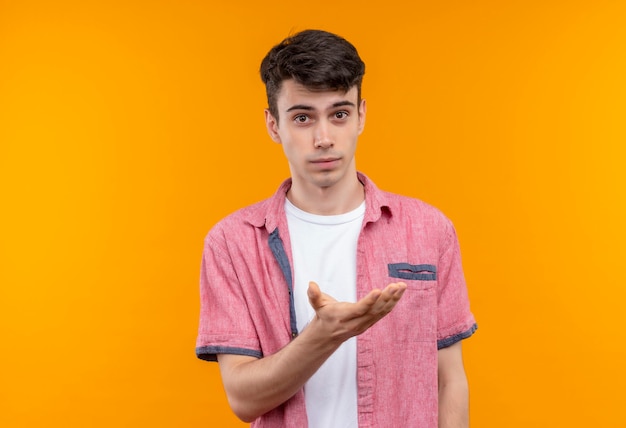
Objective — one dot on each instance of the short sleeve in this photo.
(225, 324)
(455, 321)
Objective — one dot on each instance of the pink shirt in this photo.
(247, 303)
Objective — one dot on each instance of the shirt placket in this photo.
(365, 351)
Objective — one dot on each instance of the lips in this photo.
(325, 160)
(325, 163)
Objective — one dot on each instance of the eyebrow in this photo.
(310, 108)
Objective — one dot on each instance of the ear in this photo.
(272, 126)
(362, 112)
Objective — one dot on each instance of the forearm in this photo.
(454, 404)
(257, 386)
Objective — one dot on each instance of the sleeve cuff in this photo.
(209, 353)
(449, 341)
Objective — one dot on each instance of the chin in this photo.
(329, 179)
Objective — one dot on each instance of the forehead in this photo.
(292, 94)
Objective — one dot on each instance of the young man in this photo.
(333, 303)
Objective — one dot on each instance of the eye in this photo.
(341, 114)
(301, 118)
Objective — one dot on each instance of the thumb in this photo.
(315, 295)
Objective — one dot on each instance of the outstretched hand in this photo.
(342, 320)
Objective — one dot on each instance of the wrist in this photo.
(320, 336)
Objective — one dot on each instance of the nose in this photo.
(322, 138)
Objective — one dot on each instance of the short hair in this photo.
(317, 59)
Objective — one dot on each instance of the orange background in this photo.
(128, 128)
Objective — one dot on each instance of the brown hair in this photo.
(317, 59)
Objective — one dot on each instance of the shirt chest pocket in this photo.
(416, 311)
(422, 275)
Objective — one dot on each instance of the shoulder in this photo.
(246, 218)
(261, 214)
(400, 208)
(233, 234)
(410, 209)
(414, 221)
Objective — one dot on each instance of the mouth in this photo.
(325, 163)
(325, 160)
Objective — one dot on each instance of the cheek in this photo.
(290, 150)
(351, 136)
(295, 143)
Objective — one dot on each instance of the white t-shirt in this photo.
(324, 251)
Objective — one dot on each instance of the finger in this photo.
(388, 298)
(371, 298)
(315, 295)
(365, 305)
(395, 289)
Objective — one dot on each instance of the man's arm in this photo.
(255, 386)
(453, 389)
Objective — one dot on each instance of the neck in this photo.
(340, 198)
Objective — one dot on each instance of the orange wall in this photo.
(128, 128)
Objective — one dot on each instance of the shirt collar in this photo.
(271, 212)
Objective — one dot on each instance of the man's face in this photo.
(318, 131)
